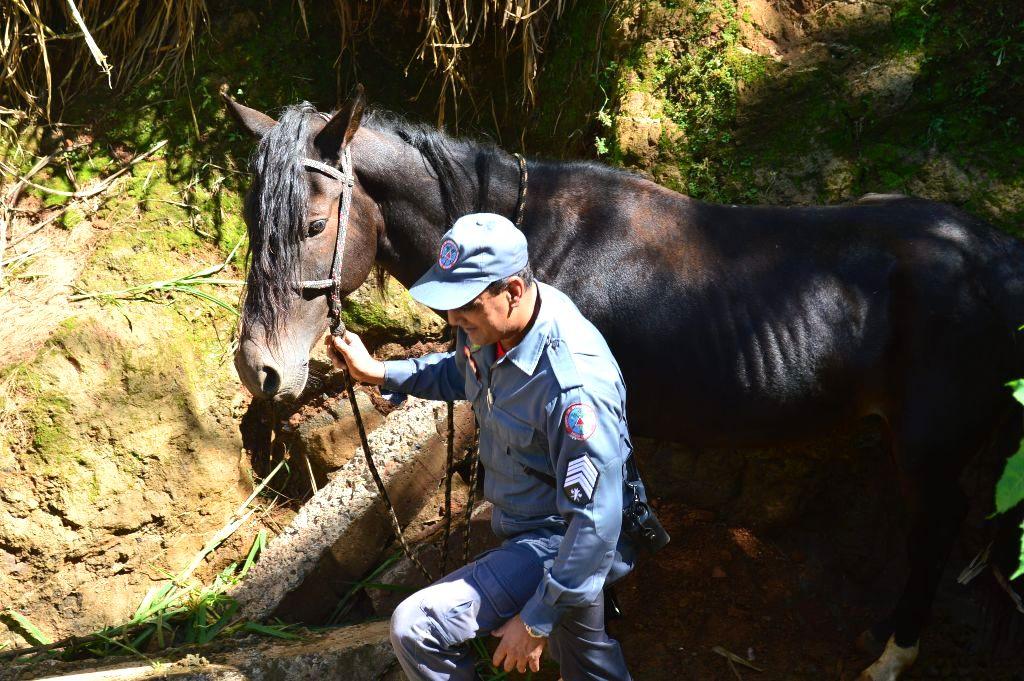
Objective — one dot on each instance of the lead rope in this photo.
(474, 463)
(448, 488)
(337, 325)
(395, 525)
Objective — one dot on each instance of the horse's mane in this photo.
(275, 211)
(463, 166)
(275, 208)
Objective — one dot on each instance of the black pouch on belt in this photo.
(639, 522)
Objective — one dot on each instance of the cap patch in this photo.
(448, 255)
(580, 480)
(580, 421)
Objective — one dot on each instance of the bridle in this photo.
(333, 285)
(347, 179)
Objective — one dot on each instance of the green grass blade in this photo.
(225, 619)
(31, 632)
(276, 632)
(254, 552)
(143, 637)
(124, 646)
(205, 296)
(156, 599)
(383, 586)
(342, 607)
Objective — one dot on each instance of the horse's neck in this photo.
(415, 213)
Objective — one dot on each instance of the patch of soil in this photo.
(720, 585)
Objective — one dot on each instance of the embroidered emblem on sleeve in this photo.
(580, 480)
(580, 421)
(448, 255)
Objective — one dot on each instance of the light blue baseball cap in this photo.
(479, 249)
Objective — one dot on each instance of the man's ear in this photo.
(338, 132)
(516, 289)
(256, 123)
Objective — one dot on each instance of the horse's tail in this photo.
(1002, 267)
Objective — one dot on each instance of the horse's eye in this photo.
(316, 227)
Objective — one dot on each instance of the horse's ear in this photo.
(255, 122)
(339, 131)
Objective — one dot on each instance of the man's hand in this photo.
(517, 648)
(349, 350)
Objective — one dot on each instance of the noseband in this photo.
(333, 285)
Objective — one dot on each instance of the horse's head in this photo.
(293, 212)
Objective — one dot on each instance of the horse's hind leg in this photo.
(930, 445)
(937, 506)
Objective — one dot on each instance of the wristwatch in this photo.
(533, 632)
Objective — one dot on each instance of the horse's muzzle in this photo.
(265, 376)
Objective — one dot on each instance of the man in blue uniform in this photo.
(551, 406)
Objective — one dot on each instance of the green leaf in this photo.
(31, 632)
(1010, 488)
(1017, 387)
(1020, 568)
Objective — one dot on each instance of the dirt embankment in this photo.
(121, 453)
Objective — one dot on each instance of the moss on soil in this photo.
(899, 101)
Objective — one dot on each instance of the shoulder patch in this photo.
(580, 421)
(562, 365)
(580, 480)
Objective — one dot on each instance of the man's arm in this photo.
(437, 376)
(587, 452)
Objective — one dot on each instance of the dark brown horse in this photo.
(732, 324)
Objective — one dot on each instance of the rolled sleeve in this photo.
(587, 551)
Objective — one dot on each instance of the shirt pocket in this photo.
(514, 433)
(522, 443)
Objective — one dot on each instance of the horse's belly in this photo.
(753, 373)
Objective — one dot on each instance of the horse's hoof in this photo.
(868, 644)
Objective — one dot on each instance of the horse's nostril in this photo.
(270, 381)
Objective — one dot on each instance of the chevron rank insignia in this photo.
(580, 480)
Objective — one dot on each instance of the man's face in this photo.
(485, 319)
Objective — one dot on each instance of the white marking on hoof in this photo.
(893, 662)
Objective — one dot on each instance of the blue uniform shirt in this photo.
(556, 404)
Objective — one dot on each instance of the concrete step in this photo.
(359, 652)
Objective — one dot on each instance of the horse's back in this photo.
(756, 316)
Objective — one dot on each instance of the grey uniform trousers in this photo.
(431, 628)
